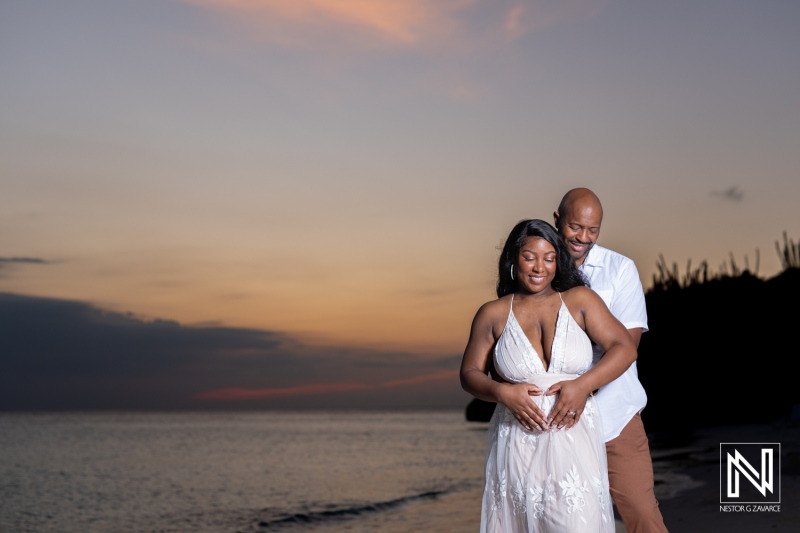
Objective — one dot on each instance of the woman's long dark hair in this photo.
(567, 274)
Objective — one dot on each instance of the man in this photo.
(615, 278)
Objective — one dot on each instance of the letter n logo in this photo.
(748, 472)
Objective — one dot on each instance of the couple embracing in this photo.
(556, 351)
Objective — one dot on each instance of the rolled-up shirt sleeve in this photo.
(629, 303)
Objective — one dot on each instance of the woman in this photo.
(530, 352)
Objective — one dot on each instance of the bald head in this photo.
(577, 199)
(578, 220)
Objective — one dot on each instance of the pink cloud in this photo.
(437, 376)
(235, 393)
(302, 390)
(394, 21)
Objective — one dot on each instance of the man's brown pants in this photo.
(630, 477)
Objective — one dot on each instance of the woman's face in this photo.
(536, 265)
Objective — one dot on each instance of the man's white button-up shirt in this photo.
(614, 277)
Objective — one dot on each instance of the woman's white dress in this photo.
(551, 481)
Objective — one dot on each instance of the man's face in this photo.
(579, 226)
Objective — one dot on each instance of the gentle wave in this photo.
(345, 513)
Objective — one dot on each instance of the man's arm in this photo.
(636, 334)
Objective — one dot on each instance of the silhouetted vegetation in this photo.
(790, 255)
(719, 349)
(668, 278)
(720, 345)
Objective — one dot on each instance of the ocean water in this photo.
(257, 472)
(240, 471)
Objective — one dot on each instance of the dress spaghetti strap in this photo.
(510, 309)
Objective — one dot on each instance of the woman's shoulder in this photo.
(495, 309)
(494, 305)
(577, 292)
(579, 295)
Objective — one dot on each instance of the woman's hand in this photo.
(571, 401)
(517, 399)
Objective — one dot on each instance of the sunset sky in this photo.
(299, 203)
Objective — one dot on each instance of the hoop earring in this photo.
(512, 272)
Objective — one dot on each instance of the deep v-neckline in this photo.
(527, 340)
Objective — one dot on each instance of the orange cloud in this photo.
(320, 388)
(397, 21)
(445, 374)
(302, 390)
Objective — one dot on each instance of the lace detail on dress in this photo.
(498, 491)
(541, 496)
(530, 439)
(573, 489)
(506, 422)
(518, 498)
